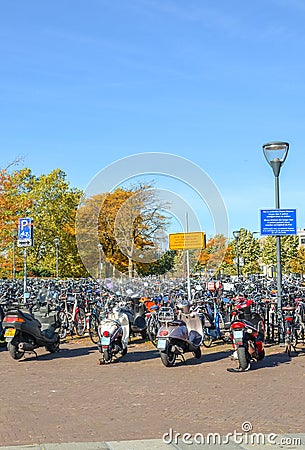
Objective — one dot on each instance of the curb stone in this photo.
(158, 444)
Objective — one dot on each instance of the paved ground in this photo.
(68, 397)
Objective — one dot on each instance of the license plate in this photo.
(161, 344)
(105, 340)
(10, 332)
(238, 335)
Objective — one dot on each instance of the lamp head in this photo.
(236, 234)
(276, 152)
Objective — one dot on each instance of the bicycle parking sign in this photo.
(25, 232)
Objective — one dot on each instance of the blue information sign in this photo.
(25, 232)
(278, 222)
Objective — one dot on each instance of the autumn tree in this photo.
(217, 256)
(13, 203)
(127, 223)
(297, 263)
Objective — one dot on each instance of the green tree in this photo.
(249, 250)
(160, 266)
(289, 250)
(54, 208)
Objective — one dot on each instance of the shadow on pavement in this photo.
(63, 353)
(273, 360)
(138, 356)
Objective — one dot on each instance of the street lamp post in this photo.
(236, 234)
(56, 242)
(275, 154)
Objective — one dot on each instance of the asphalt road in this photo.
(68, 397)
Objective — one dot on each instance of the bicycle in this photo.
(291, 338)
(71, 321)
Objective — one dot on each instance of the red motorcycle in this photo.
(247, 335)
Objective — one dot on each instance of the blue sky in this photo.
(86, 83)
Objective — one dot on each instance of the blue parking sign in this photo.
(25, 232)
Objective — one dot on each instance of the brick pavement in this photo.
(68, 397)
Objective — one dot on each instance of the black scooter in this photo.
(2, 339)
(136, 313)
(29, 327)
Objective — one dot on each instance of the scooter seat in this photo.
(178, 322)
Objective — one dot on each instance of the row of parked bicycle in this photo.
(174, 323)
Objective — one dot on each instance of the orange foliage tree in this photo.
(218, 255)
(13, 203)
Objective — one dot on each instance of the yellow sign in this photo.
(187, 241)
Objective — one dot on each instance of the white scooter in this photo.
(113, 333)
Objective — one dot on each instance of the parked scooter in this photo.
(26, 329)
(247, 334)
(136, 312)
(2, 339)
(113, 334)
(178, 335)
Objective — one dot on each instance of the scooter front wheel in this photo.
(168, 358)
(197, 353)
(107, 355)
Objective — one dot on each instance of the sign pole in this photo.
(188, 262)
(24, 275)
(25, 239)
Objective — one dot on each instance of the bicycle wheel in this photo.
(93, 329)
(80, 322)
(64, 325)
(207, 339)
(153, 326)
(294, 339)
